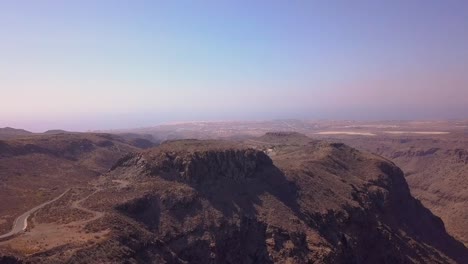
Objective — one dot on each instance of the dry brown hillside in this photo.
(36, 168)
(195, 201)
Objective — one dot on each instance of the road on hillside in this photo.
(77, 205)
(21, 223)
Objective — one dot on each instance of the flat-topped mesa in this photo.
(196, 161)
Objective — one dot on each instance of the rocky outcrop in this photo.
(200, 166)
(436, 171)
(313, 202)
(212, 166)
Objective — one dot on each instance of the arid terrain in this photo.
(234, 132)
(432, 154)
(312, 128)
(37, 168)
(280, 197)
(436, 169)
(434, 158)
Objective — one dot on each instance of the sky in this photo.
(84, 65)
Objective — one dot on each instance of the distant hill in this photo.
(9, 132)
(140, 140)
(284, 138)
(56, 131)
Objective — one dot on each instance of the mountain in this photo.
(275, 199)
(8, 132)
(56, 131)
(436, 169)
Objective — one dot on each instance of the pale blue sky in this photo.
(115, 64)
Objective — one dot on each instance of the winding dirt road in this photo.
(77, 205)
(21, 223)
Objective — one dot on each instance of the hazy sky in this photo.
(115, 64)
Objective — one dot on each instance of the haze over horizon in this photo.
(82, 65)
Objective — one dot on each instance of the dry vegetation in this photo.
(37, 168)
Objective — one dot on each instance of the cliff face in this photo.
(436, 169)
(210, 166)
(219, 202)
(206, 165)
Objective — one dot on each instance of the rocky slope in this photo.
(436, 168)
(220, 202)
